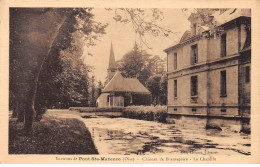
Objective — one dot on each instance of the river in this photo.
(130, 136)
(187, 135)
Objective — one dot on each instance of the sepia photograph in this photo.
(127, 85)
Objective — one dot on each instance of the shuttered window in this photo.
(194, 54)
(194, 86)
(223, 84)
(175, 61)
(175, 89)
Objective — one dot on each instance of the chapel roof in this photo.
(120, 84)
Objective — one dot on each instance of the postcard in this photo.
(129, 82)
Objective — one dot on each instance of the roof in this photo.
(219, 18)
(112, 62)
(186, 35)
(231, 14)
(120, 84)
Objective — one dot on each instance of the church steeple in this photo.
(112, 62)
(112, 67)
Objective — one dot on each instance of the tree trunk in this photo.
(15, 109)
(20, 115)
(30, 106)
(14, 114)
(29, 116)
(20, 109)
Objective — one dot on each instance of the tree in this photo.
(34, 34)
(157, 84)
(205, 15)
(136, 63)
(92, 92)
(29, 46)
(148, 69)
(163, 89)
(38, 35)
(73, 78)
(158, 65)
(153, 85)
(99, 88)
(145, 22)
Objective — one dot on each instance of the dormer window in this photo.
(223, 45)
(194, 28)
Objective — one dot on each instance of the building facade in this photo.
(209, 69)
(120, 91)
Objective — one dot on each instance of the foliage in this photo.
(163, 89)
(73, 78)
(37, 34)
(144, 22)
(148, 69)
(153, 85)
(149, 113)
(154, 109)
(46, 59)
(205, 15)
(136, 63)
(97, 109)
(69, 79)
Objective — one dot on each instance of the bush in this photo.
(149, 113)
(96, 109)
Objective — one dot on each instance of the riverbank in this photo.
(148, 113)
(51, 135)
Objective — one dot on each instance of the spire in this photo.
(112, 62)
(112, 67)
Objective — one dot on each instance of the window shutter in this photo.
(197, 56)
(191, 87)
(191, 57)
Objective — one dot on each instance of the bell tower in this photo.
(112, 67)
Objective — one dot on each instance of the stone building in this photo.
(120, 91)
(209, 69)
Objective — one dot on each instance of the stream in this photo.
(189, 136)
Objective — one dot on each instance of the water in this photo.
(187, 136)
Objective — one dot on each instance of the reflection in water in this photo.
(187, 136)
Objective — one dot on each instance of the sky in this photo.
(123, 39)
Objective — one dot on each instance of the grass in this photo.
(51, 136)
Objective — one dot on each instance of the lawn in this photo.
(51, 136)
